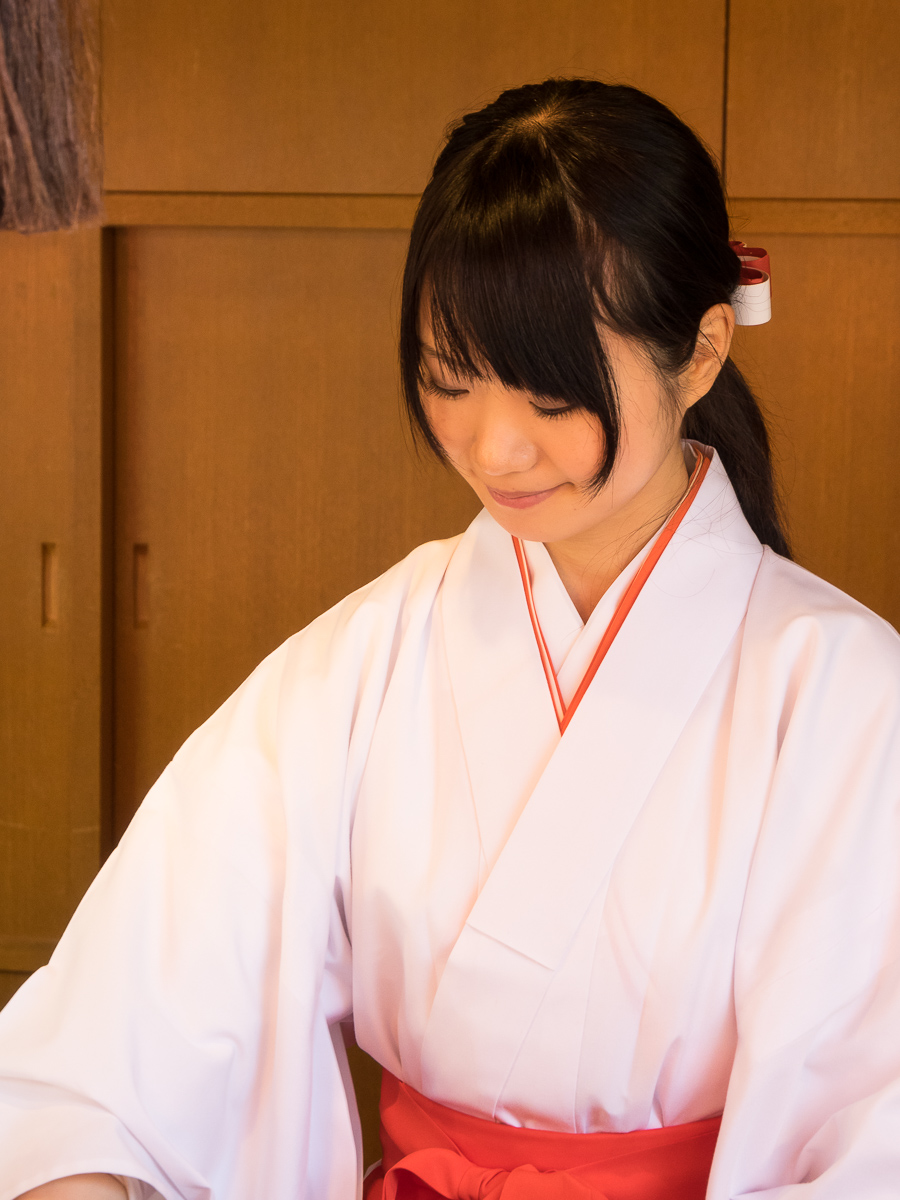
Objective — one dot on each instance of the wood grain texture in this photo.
(814, 99)
(353, 97)
(50, 494)
(828, 369)
(261, 460)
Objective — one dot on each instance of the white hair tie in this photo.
(752, 299)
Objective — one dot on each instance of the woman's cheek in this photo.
(578, 448)
(447, 427)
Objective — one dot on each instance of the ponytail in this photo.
(728, 418)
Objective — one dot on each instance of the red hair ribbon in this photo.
(752, 300)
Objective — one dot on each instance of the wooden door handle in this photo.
(49, 585)
(141, 586)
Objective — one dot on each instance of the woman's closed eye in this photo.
(450, 391)
(551, 410)
(433, 388)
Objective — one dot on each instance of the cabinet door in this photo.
(263, 471)
(814, 99)
(828, 367)
(51, 650)
(351, 96)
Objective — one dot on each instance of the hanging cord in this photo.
(565, 712)
(50, 158)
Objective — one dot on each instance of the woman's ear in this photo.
(713, 344)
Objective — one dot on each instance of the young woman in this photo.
(588, 817)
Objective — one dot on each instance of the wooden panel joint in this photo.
(260, 210)
(257, 211)
(850, 217)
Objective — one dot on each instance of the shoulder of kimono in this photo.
(786, 597)
(322, 671)
(402, 595)
(812, 640)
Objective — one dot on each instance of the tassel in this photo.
(50, 160)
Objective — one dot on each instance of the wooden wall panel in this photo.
(50, 601)
(261, 461)
(814, 98)
(828, 368)
(352, 96)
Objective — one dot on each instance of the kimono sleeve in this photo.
(182, 1033)
(813, 1106)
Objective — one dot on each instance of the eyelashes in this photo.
(434, 389)
(562, 410)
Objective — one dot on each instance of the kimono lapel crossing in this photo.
(565, 712)
(500, 695)
(564, 844)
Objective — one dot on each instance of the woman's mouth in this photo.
(521, 499)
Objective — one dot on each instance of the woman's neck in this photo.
(590, 562)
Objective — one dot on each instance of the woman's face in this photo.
(531, 461)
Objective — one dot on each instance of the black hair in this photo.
(561, 208)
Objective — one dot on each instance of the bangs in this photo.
(511, 282)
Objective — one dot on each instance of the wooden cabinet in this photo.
(202, 446)
(53, 729)
(263, 471)
(814, 99)
(828, 367)
(352, 97)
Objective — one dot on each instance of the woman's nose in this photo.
(501, 447)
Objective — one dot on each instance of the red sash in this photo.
(431, 1151)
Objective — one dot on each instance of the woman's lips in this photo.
(521, 499)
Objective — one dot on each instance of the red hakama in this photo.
(431, 1151)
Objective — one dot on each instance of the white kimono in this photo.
(687, 904)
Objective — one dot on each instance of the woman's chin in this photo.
(528, 524)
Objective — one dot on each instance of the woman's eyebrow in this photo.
(442, 359)
(439, 358)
